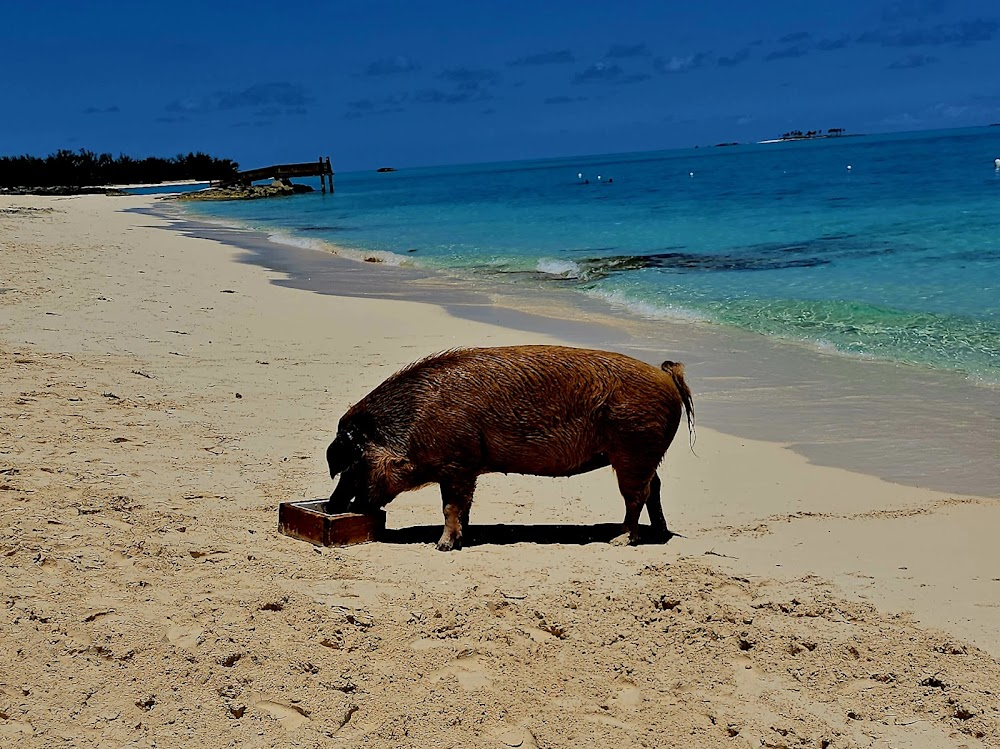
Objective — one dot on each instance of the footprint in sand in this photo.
(187, 638)
(15, 728)
(517, 738)
(470, 672)
(629, 697)
(289, 716)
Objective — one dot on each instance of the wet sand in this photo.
(901, 423)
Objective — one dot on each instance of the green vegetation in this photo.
(86, 168)
(833, 132)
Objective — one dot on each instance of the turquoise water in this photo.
(874, 246)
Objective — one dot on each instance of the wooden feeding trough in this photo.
(310, 521)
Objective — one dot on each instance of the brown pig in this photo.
(537, 410)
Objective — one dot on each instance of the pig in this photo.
(537, 410)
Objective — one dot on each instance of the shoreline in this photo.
(149, 595)
(785, 392)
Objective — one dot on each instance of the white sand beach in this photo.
(159, 399)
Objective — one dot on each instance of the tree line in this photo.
(84, 168)
(795, 134)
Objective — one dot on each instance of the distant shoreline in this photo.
(809, 137)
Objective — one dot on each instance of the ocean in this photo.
(884, 247)
(839, 296)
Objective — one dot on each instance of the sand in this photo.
(160, 399)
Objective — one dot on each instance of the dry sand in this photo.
(158, 401)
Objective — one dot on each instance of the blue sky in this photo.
(405, 83)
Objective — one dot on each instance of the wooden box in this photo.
(309, 521)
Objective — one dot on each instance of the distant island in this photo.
(833, 132)
(74, 171)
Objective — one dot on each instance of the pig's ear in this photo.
(345, 450)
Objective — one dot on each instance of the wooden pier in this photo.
(320, 168)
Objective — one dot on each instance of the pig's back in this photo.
(522, 409)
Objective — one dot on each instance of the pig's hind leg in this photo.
(661, 532)
(634, 482)
(456, 498)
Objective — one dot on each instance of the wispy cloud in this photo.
(565, 99)
(555, 57)
(830, 45)
(470, 79)
(735, 59)
(261, 94)
(912, 61)
(802, 43)
(386, 105)
(623, 51)
(391, 66)
(113, 109)
(437, 96)
(906, 10)
(280, 98)
(796, 50)
(681, 63)
(602, 72)
(958, 34)
(795, 38)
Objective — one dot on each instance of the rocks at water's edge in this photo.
(278, 188)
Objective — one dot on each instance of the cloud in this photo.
(275, 98)
(113, 109)
(829, 45)
(602, 72)
(392, 104)
(262, 94)
(622, 51)
(735, 59)
(565, 99)
(912, 61)
(905, 10)
(555, 57)
(678, 64)
(798, 36)
(468, 85)
(798, 50)
(802, 43)
(391, 66)
(437, 96)
(958, 34)
(470, 79)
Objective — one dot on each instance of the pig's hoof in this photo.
(449, 544)
(661, 535)
(624, 540)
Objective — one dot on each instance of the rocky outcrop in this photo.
(277, 189)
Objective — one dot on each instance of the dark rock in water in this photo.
(277, 189)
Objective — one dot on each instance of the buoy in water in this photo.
(996, 163)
